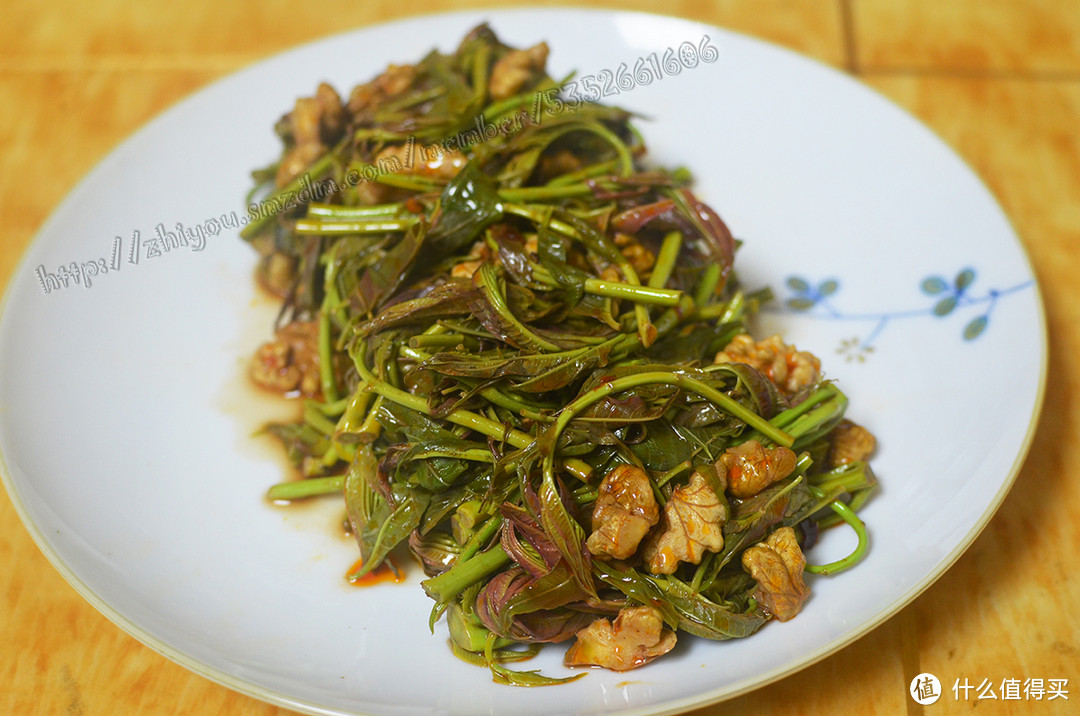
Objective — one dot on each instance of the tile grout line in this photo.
(847, 27)
(909, 657)
(854, 67)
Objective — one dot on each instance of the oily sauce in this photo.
(388, 571)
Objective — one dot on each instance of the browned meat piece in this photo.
(289, 364)
(849, 442)
(639, 256)
(749, 468)
(790, 369)
(637, 637)
(296, 160)
(692, 523)
(478, 254)
(562, 161)
(777, 565)
(395, 80)
(318, 119)
(624, 512)
(314, 122)
(332, 118)
(515, 69)
(276, 273)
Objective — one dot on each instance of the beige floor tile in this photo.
(871, 660)
(216, 35)
(968, 35)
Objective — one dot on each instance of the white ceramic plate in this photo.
(127, 452)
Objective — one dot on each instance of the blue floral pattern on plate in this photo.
(949, 297)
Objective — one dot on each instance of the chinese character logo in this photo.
(925, 689)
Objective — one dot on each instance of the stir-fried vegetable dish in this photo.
(524, 359)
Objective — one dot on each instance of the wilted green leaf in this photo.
(367, 510)
(469, 205)
(383, 277)
(707, 619)
(567, 535)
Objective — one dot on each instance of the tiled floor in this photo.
(1040, 37)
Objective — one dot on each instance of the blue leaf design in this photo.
(964, 279)
(933, 285)
(947, 296)
(797, 284)
(945, 306)
(975, 328)
(827, 288)
(800, 303)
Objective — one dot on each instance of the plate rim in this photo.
(702, 699)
